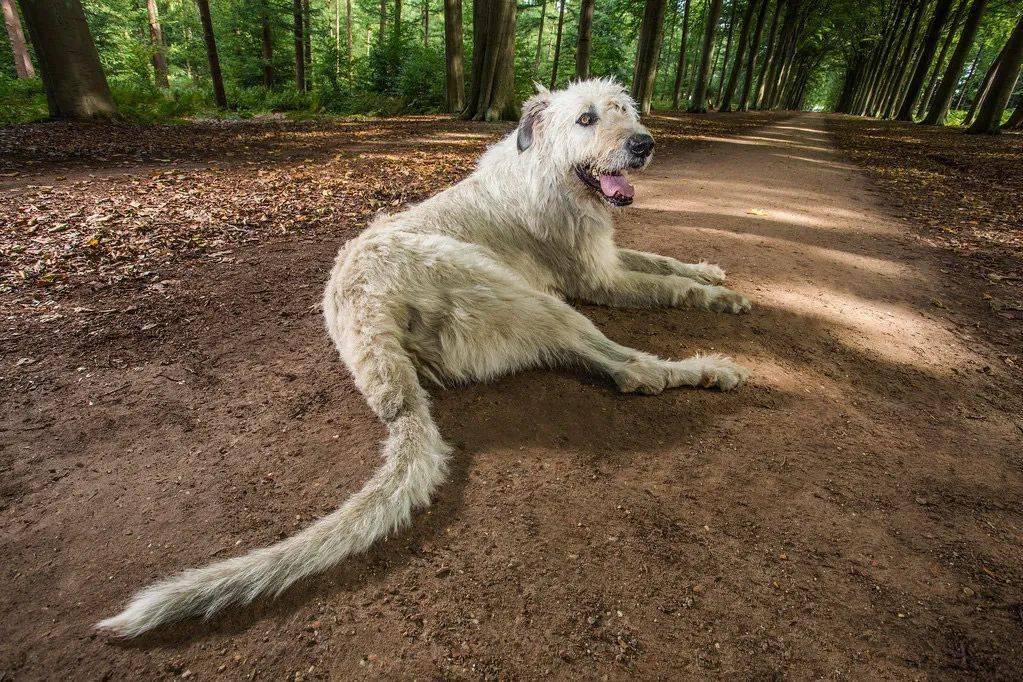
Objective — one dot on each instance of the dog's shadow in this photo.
(542, 408)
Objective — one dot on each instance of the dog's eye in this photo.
(587, 119)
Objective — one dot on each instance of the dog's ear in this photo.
(531, 111)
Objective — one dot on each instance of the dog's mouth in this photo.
(612, 186)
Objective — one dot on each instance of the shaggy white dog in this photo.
(466, 286)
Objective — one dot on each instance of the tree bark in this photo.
(383, 22)
(680, 69)
(970, 74)
(989, 115)
(219, 96)
(754, 50)
(299, 45)
(939, 63)
(781, 55)
(728, 51)
(901, 65)
(740, 55)
(539, 38)
(1015, 121)
(923, 64)
(348, 31)
(582, 50)
(72, 74)
(985, 85)
(557, 45)
(426, 23)
(649, 47)
(770, 49)
(22, 61)
(881, 67)
(492, 88)
(267, 52)
(942, 98)
(698, 103)
(453, 56)
(156, 36)
(307, 27)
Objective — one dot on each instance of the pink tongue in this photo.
(611, 185)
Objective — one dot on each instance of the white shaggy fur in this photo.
(466, 286)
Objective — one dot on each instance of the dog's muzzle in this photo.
(639, 146)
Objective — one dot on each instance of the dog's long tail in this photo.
(415, 464)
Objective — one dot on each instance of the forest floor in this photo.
(855, 511)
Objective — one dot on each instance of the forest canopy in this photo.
(942, 61)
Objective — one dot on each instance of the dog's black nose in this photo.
(640, 144)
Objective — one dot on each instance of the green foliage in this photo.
(21, 100)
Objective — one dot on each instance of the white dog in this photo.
(469, 285)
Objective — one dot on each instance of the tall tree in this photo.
(383, 22)
(649, 47)
(73, 77)
(901, 66)
(266, 43)
(970, 74)
(985, 85)
(680, 68)
(22, 61)
(740, 55)
(455, 70)
(943, 95)
(698, 103)
(307, 38)
(557, 44)
(156, 36)
(212, 57)
(923, 64)
(751, 63)
(769, 54)
(989, 115)
(299, 45)
(880, 64)
(939, 63)
(728, 49)
(582, 50)
(426, 23)
(539, 37)
(492, 85)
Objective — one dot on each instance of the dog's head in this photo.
(589, 136)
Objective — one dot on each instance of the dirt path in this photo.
(853, 512)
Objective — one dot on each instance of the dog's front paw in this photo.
(722, 300)
(705, 273)
(648, 377)
(719, 371)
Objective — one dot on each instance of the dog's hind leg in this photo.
(496, 330)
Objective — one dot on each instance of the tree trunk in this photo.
(307, 27)
(219, 96)
(383, 22)
(970, 74)
(267, 52)
(882, 67)
(426, 23)
(455, 72)
(939, 63)
(781, 56)
(728, 50)
(680, 69)
(649, 47)
(492, 88)
(985, 85)
(943, 95)
(156, 36)
(923, 65)
(754, 50)
(740, 55)
(582, 50)
(1015, 121)
(989, 115)
(299, 45)
(348, 31)
(557, 45)
(539, 37)
(22, 61)
(698, 103)
(901, 65)
(72, 74)
(770, 51)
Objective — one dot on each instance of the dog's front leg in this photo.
(656, 264)
(628, 289)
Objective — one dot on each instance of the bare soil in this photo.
(855, 511)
